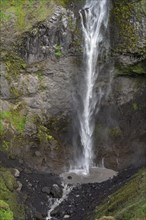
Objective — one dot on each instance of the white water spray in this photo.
(94, 20)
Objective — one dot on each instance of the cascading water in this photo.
(56, 202)
(94, 20)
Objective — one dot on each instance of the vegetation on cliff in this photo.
(127, 18)
(23, 14)
(29, 125)
(132, 70)
(10, 205)
(5, 211)
(128, 203)
(128, 37)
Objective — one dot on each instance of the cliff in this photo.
(41, 63)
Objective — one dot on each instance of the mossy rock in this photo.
(16, 122)
(128, 203)
(10, 204)
(134, 70)
(67, 2)
(13, 64)
(127, 25)
(44, 134)
(106, 218)
(9, 180)
(5, 211)
(24, 13)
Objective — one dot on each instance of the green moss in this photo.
(128, 203)
(115, 132)
(8, 179)
(44, 134)
(40, 75)
(25, 13)
(13, 119)
(13, 65)
(122, 13)
(15, 92)
(5, 212)
(138, 106)
(63, 2)
(5, 146)
(67, 2)
(1, 128)
(58, 51)
(35, 119)
(20, 13)
(4, 17)
(8, 195)
(125, 28)
(58, 124)
(135, 106)
(138, 69)
(143, 4)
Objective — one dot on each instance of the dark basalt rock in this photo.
(39, 216)
(46, 190)
(53, 37)
(56, 191)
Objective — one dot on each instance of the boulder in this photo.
(19, 186)
(56, 191)
(16, 172)
(66, 216)
(46, 190)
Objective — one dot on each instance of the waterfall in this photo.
(94, 21)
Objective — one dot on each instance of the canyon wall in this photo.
(41, 64)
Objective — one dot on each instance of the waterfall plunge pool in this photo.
(96, 175)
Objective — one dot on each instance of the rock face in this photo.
(121, 123)
(37, 85)
(37, 104)
(120, 129)
(40, 66)
(128, 35)
(54, 35)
